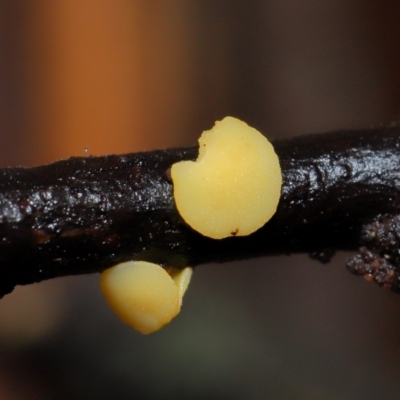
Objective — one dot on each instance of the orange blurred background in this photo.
(93, 77)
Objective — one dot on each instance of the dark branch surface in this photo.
(83, 215)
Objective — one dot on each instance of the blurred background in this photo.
(91, 77)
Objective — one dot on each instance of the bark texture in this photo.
(83, 215)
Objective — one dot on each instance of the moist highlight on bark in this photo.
(83, 215)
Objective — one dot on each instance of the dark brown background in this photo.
(121, 76)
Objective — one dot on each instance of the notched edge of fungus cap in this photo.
(234, 186)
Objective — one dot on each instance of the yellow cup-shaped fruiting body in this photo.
(144, 295)
(234, 187)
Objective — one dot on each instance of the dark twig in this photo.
(83, 215)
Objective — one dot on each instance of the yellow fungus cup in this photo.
(234, 187)
(144, 295)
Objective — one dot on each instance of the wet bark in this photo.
(83, 215)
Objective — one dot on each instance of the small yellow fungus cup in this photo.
(234, 187)
(144, 295)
